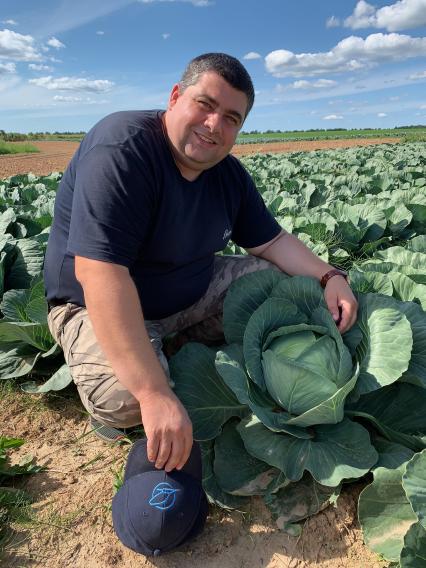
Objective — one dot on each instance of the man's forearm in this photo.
(294, 257)
(115, 312)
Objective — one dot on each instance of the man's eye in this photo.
(204, 104)
(232, 120)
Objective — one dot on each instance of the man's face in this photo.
(202, 123)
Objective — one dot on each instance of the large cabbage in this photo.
(288, 407)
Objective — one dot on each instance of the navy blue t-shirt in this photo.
(123, 200)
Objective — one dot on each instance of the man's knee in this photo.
(118, 408)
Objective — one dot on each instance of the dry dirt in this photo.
(54, 156)
(72, 527)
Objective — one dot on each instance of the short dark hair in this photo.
(228, 67)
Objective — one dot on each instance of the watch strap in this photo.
(330, 274)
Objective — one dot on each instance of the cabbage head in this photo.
(294, 353)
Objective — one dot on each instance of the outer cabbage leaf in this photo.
(300, 500)
(243, 297)
(413, 554)
(406, 289)
(414, 484)
(385, 349)
(252, 477)
(208, 400)
(28, 263)
(385, 513)
(306, 293)
(417, 244)
(397, 412)
(26, 305)
(416, 372)
(391, 455)
(336, 452)
(214, 493)
(58, 381)
(365, 282)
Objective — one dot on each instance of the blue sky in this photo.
(64, 64)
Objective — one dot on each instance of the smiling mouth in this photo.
(205, 139)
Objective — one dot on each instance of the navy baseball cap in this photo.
(155, 511)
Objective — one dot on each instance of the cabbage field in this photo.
(287, 408)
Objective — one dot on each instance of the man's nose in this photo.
(213, 121)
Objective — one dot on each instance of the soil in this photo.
(54, 156)
(71, 526)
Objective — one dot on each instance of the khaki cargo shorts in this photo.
(101, 393)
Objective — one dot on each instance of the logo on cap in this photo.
(163, 496)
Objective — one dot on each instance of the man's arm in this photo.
(115, 312)
(293, 257)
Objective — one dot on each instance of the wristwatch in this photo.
(330, 274)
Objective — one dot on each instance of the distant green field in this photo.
(262, 137)
(65, 137)
(13, 148)
(409, 134)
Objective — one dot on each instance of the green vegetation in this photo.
(19, 137)
(414, 137)
(14, 148)
(13, 500)
(58, 136)
(255, 137)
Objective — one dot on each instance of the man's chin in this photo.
(206, 159)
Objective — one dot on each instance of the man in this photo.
(145, 203)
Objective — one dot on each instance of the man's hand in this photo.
(168, 429)
(341, 302)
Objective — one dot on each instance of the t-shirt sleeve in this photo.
(112, 206)
(255, 225)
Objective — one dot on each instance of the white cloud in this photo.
(350, 54)
(363, 16)
(422, 107)
(252, 55)
(394, 99)
(402, 15)
(63, 99)
(320, 84)
(332, 117)
(73, 84)
(381, 114)
(39, 67)
(420, 75)
(197, 3)
(9, 22)
(165, 36)
(80, 100)
(332, 22)
(54, 42)
(100, 32)
(7, 68)
(301, 84)
(17, 47)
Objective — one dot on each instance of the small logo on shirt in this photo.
(227, 234)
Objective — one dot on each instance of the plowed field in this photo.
(54, 156)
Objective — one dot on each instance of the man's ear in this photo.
(174, 95)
